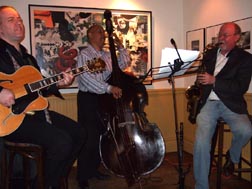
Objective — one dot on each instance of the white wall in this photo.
(166, 21)
(204, 13)
(170, 19)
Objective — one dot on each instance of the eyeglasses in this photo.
(225, 35)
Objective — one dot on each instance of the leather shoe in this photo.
(84, 185)
(101, 176)
(228, 168)
(53, 187)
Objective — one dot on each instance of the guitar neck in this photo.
(46, 82)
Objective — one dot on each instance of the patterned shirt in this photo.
(96, 82)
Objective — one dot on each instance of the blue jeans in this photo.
(241, 129)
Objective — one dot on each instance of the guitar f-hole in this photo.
(6, 80)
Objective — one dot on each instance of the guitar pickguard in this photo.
(22, 103)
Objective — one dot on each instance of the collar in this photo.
(225, 55)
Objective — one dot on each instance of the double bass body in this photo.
(134, 147)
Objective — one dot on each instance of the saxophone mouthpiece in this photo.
(218, 44)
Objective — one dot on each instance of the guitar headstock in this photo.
(96, 65)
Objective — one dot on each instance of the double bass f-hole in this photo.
(131, 146)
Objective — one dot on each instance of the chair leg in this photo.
(213, 146)
(240, 166)
(8, 183)
(26, 172)
(220, 154)
(251, 161)
(3, 169)
(40, 170)
(242, 161)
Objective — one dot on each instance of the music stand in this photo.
(171, 65)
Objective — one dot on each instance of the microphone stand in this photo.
(179, 130)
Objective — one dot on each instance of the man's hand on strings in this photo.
(7, 97)
(67, 80)
(116, 92)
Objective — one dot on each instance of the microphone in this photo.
(173, 43)
(178, 62)
(218, 44)
(175, 46)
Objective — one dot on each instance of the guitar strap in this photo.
(18, 56)
(16, 65)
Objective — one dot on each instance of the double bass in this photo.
(131, 146)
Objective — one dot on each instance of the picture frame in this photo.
(58, 33)
(246, 29)
(212, 34)
(195, 40)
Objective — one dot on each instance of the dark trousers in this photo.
(88, 117)
(62, 141)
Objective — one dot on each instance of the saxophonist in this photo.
(226, 80)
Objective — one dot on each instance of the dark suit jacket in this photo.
(232, 81)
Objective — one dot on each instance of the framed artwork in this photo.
(212, 34)
(246, 28)
(195, 40)
(58, 33)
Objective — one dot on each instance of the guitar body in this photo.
(25, 100)
(16, 81)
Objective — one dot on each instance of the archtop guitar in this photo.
(26, 84)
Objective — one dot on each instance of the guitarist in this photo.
(61, 137)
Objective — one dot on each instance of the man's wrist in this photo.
(109, 88)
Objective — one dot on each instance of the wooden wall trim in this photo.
(159, 111)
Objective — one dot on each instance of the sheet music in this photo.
(167, 61)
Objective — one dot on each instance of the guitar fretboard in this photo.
(94, 65)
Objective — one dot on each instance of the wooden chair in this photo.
(28, 152)
(217, 158)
